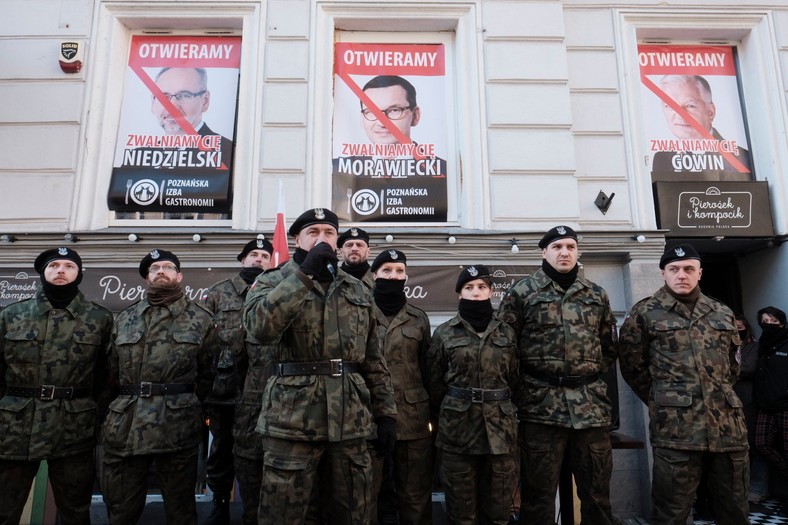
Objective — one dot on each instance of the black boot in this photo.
(220, 514)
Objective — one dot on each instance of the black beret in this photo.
(156, 256)
(471, 273)
(257, 244)
(559, 232)
(774, 312)
(353, 233)
(54, 254)
(388, 256)
(314, 216)
(678, 253)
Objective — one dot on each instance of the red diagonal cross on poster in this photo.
(167, 104)
(689, 119)
(387, 59)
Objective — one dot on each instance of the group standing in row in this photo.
(325, 390)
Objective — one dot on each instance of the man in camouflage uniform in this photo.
(354, 247)
(160, 360)
(566, 336)
(53, 366)
(403, 333)
(238, 361)
(329, 381)
(678, 353)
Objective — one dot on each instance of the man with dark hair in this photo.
(330, 381)
(53, 368)
(392, 162)
(354, 247)
(566, 334)
(233, 404)
(160, 360)
(678, 353)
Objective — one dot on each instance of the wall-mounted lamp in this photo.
(389, 238)
(260, 236)
(452, 239)
(133, 237)
(602, 201)
(7, 238)
(515, 248)
(640, 238)
(196, 237)
(70, 237)
(718, 238)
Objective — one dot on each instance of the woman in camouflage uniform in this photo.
(473, 368)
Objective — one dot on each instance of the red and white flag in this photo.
(281, 251)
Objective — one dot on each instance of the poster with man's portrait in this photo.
(390, 142)
(174, 151)
(694, 122)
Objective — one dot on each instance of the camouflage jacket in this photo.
(561, 333)
(462, 358)
(42, 345)
(405, 341)
(225, 300)
(682, 364)
(287, 308)
(161, 345)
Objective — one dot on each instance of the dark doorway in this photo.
(721, 280)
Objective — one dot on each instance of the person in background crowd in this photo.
(161, 360)
(771, 394)
(473, 370)
(747, 356)
(53, 368)
(678, 353)
(233, 410)
(330, 382)
(566, 336)
(354, 247)
(403, 333)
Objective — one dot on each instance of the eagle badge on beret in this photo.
(472, 271)
(679, 252)
(62, 250)
(561, 230)
(155, 254)
(354, 232)
(393, 254)
(260, 243)
(320, 214)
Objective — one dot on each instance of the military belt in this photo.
(47, 392)
(564, 381)
(334, 368)
(148, 389)
(479, 395)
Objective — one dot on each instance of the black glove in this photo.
(318, 258)
(387, 435)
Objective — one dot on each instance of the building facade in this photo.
(530, 114)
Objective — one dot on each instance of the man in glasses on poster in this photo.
(391, 178)
(170, 160)
(682, 77)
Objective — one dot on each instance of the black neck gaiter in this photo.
(389, 295)
(60, 296)
(250, 273)
(771, 336)
(356, 270)
(564, 280)
(477, 313)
